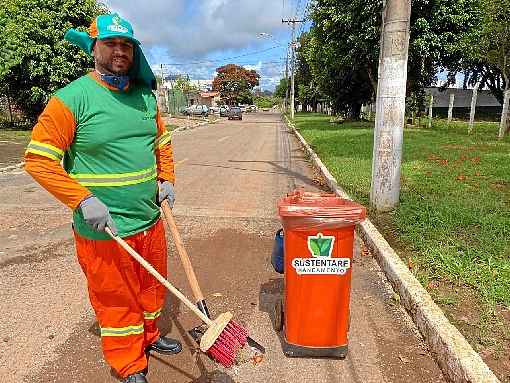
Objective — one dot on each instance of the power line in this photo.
(228, 58)
(238, 63)
(297, 8)
(292, 22)
(304, 17)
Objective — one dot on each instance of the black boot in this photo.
(166, 346)
(136, 378)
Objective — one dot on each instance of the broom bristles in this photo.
(229, 342)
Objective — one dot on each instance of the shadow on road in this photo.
(270, 293)
(280, 169)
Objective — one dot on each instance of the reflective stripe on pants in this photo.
(127, 300)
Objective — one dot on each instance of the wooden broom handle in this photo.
(147, 266)
(186, 262)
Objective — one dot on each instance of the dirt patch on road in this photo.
(11, 151)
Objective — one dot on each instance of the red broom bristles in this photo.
(231, 340)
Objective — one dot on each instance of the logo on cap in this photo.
(116, 27)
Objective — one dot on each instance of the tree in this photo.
(281, 89)
(235, 83)
(345, 86)
(343, 52)
(35, 59)
(266, 101)
(488, 48)
(184, 85)
(308, 92)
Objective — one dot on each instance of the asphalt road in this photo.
(229, 177)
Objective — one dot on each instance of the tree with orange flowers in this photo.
(235, 84)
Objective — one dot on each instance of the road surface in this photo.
(229, 177)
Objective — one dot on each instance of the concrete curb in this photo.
(183, 128)
(12, 167)
(457, 359)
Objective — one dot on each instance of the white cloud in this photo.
(180, 31)
(199, 27)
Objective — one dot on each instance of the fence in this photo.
(176, 101)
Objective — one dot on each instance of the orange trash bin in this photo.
(318, 248)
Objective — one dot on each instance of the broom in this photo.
(223, 338)
(190, 273)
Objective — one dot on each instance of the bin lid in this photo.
(321, 205)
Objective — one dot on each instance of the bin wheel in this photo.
(278, 315)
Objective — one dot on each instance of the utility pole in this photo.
(292, 62)
(390, 113)
(286, 102)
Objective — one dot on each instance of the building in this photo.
(204, 98)
(487, 106)
(202, 85)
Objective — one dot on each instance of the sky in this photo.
(195, 37)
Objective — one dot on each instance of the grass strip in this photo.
(453, 221)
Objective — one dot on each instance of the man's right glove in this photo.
(97, 215)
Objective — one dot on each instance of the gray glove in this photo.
(166, 191)
(96, 214)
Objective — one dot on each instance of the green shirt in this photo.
(113, 152)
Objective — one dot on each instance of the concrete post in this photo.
(473, 107)
(503, 126)
(390, 105)
(293, 68)
(286, 100)
(450, 107)
(431, 105)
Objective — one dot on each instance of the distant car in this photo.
(224, 111)
(243, 108)
(214, 109)
(235, 113)
(251, 108)
(197, 110)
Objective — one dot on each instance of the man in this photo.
(117, 169)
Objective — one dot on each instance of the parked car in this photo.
(224, 111)
(251, 108)
(235, 113)
(197, 110)
(214, 109)
(243, 108)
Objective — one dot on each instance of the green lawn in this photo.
(453, 222)
(14, 134)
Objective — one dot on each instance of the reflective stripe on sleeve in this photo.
(116, 179)
(153, 315)
(164, 139)
(122, 331)
(45, 150)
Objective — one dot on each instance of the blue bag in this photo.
(277, 256)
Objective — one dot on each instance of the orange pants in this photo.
(126, 298)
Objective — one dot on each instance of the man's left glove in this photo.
(166, 191)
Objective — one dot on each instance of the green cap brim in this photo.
(112, 35)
